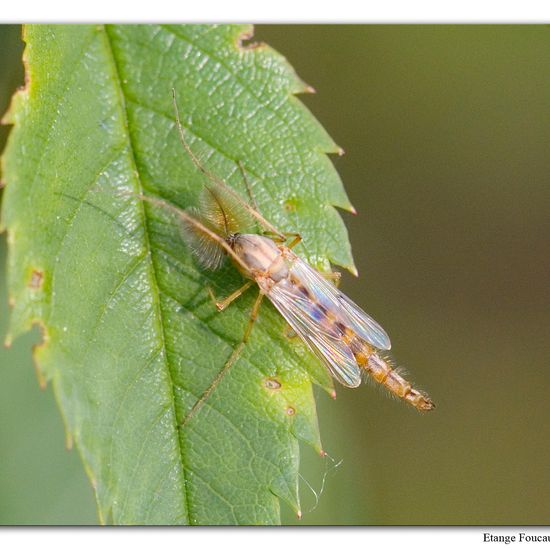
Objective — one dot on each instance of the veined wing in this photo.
(323, 338)
(332, 299)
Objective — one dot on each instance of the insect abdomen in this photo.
(380, 370)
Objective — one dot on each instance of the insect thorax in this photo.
(261, 256)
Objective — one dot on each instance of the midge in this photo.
(347, 340)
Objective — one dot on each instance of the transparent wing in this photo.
(340, 305)
(322, 336)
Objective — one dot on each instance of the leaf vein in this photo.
(170, 374)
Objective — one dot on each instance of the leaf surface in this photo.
(131, 338)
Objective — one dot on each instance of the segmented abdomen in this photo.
(380, 370)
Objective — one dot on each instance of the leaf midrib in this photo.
(155, 285)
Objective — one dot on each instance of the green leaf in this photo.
(131, 339)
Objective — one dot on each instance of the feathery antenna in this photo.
(217, 181)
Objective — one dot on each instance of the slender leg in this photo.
(248, 186)
(253, 316)
(278, 238)
(297, 239)
(186, 146)
(183, 215)
(285, 236)
(221, 305)
(333, 276)
(230, 362)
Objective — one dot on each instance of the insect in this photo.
(345, 338)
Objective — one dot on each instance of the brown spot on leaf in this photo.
(247, 35)
(290, 411)
(290, 205)
(272, 384)
(37, 278)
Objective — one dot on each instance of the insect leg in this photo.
(248, 186)
(230, 362)
(285, 236)
(183, 215)
(297, 239)
(186, 146)
(278, 238)
(253, 316)
(333, 276)
(221, 305)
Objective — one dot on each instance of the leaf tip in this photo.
(42, 384)
(8, 340)
(36, 349)
(346, 263)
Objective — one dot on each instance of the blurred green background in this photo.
(447, 135)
